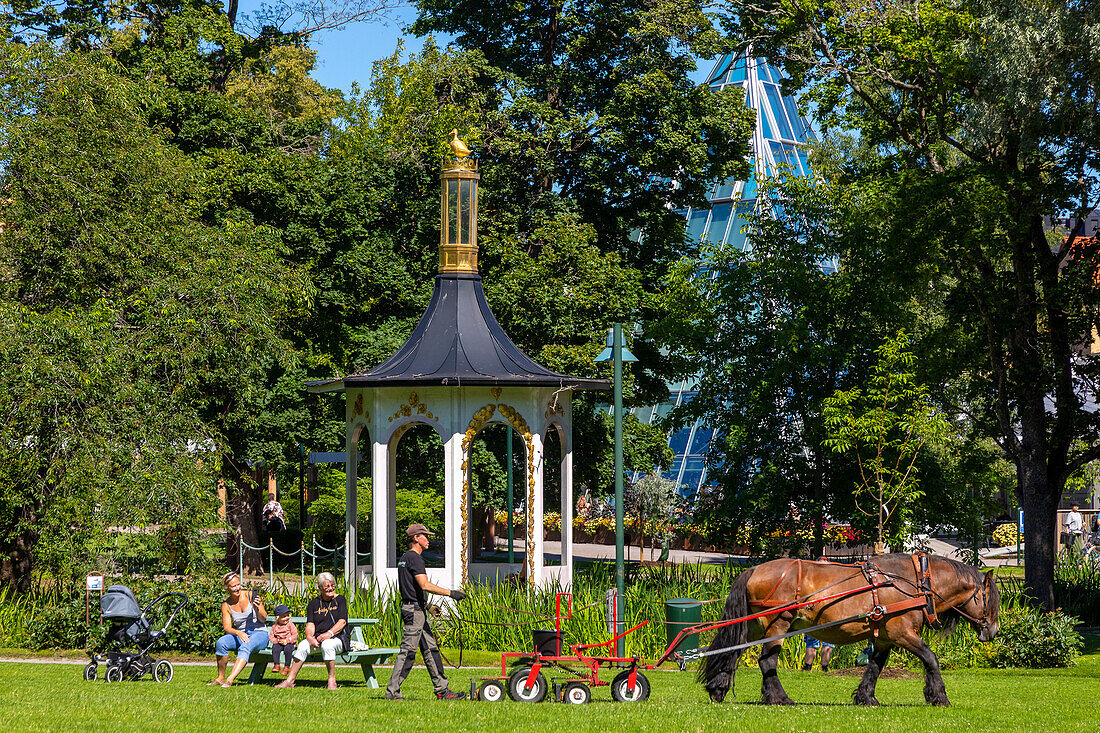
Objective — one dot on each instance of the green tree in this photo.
(978, 152)
(158, 330)
(651, 498)
(773, 331)
(886, 424)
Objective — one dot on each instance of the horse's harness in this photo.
(924, 596)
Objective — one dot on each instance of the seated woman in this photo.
(326, 629)
(244, 620)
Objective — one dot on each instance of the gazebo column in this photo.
(351, 515)
(535, 529)
(455, 542)
(382, 509)
(567, 504)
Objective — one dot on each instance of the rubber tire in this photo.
(576, 693)
(620, 691)
(491, 691)
(162, 671)
(90, 670)
(517, 682)
(114, 674)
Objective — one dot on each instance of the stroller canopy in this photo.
(119, 603)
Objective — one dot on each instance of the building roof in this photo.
(458, 342)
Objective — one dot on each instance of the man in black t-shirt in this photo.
(412, 581)
(326, 628)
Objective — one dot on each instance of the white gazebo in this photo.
(458, 372)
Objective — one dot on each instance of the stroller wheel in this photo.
(162, 672)
(90, 670)
(114, 674)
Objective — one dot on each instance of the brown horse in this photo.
(909, 591)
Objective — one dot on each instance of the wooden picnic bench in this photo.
(364, 656)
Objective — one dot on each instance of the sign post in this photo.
(94, 582)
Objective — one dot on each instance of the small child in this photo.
(284, 637)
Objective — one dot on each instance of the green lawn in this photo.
(48, 697)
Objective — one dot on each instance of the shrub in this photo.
(1006, 534)
(1033, 639)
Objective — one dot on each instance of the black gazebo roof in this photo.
(458, 342)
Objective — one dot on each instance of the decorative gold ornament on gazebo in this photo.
(458, 210)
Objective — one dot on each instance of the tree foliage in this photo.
(886, 424)
(986, 117)
(138, 337)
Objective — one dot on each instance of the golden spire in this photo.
(458, 211)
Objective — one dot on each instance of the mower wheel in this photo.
(518, 690)
(577, 693)
(620, 688)
(491, 691)
(162, 671)
(114, 674)
(90, 670)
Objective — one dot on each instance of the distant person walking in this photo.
(412, 580)
(1075, 527)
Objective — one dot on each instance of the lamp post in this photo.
(617, 354)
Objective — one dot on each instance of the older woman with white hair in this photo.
(326, 629)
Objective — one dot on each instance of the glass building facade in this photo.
(780, 139)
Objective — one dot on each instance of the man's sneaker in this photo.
(825, 668)
(450, 695)
(393, 697)
(806, 667)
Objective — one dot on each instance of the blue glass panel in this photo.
(736, 236)
(720, 71)
(673, 474)
(678, 442)
(796, 121)
(782, 154)
(725, 190)
(701, 440)
(690, 481)
(805, 162)
(765, 126)
(750, 188)
(777, 110)
(697, 224)
(737, 73)
(719, 218)
(663, 409)
(763, 71)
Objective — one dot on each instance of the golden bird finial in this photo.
(457, 146)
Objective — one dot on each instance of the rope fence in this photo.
(317, 552)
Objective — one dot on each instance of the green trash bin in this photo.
(679, 614)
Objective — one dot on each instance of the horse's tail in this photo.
(718, 671)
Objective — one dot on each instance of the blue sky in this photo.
(346, 56)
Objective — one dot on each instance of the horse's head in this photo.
(983, 608)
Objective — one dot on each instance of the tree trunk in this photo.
(817, 516)
(1040, 505)
(18, 553)
(240, 513)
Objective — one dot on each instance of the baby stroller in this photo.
(130, 637)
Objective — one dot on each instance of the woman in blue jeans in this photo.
(244, 620)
